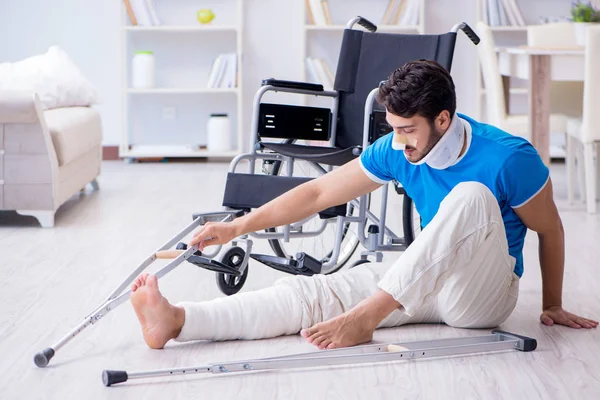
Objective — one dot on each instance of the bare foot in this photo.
(344, 330)
(353, 327)
(160, 320)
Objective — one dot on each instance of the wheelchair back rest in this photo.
(368, 58)
(294, 122)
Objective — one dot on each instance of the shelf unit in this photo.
(170, 120)
(507, 35)
(324, 41)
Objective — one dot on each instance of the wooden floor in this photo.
(50, 279)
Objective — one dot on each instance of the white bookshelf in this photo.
(324, 41)
(170, 119)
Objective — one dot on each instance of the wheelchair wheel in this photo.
(411, 220)
(231, 284)
(320, 246)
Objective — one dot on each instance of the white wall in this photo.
(89, 31)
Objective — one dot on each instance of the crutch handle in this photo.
(168, 254)
(112, 377)
(393, 348)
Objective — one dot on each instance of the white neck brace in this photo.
(447, 150)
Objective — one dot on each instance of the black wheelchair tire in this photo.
(231, 284)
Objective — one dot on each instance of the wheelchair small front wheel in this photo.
(231, 284)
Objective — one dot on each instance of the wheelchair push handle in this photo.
(365, 23)
(468, 31)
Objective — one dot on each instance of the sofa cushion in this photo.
(74, 131)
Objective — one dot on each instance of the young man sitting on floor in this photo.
(477, 188)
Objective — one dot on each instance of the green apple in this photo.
(205, 15)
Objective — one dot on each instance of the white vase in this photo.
(581, 32)
(219, 133)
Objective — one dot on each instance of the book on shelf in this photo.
(501, 13)
(319, 72)
(309, 14)
(327, 12)
(402, 12)
(224, 72)
(142, 12)
(318, 11)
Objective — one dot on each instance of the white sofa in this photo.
(45, 156)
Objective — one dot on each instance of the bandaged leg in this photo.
(292, 304)
(459, 263)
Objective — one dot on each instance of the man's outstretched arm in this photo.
(337, 187)
(541, 215)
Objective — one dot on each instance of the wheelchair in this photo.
(322, 243)
(349, 126)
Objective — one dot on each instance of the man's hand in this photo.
(215, 233)
(556, 315)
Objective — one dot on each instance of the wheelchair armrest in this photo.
(293, 85)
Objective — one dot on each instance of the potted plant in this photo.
(583, 14)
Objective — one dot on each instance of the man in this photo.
(477, 189)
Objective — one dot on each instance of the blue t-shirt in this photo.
(508, 165)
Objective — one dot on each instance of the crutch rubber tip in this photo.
(112, 377)
(42, 358)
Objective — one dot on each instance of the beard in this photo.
(414, 155)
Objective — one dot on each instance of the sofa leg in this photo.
(44, 217)
(95, 185)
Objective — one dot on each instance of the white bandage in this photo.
(401, 141)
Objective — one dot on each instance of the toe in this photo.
(152, 281)
(142, 278)
(331, 346)
(325, 344)
(318, 341)
(312, 339)
(308, 332)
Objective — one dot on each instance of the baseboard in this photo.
(110, 152)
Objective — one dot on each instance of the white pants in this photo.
(457, 271)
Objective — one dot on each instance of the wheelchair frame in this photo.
(374, 242)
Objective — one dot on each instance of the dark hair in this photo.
(418, 87)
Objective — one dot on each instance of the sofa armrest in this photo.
(29, 178)
(18, 107)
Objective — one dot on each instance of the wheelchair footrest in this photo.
(304, 265)
(213, 265)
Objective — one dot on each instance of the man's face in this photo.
(418, 135)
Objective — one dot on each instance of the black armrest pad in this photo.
(293, 85)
